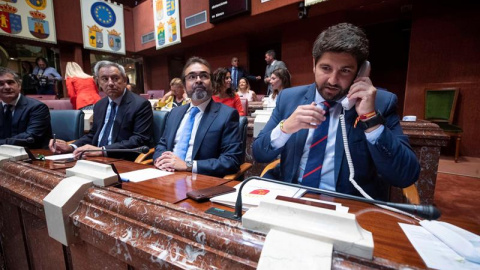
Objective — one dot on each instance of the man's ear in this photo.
(313, 65)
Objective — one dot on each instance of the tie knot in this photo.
(9, 107)
(194, 111)
(113, 104)
(326, 105)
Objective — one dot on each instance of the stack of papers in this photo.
(255, 191)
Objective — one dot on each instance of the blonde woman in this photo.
(81, 87)
(244, 90)
(177, 97)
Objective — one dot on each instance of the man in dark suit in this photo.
(237, 73)
(203, 136)
(121, 120)
(23, 121)
(379, 150)
(272, 64)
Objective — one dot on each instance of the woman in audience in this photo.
(177, 97)
(222, 91)
(280, 79)
(81, 87)
(244, 90)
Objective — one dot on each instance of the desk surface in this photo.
(391, 246)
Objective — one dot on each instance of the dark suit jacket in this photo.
(390, 161)
(241, 73)
(30, 119)
(132, 127)
(217, 147)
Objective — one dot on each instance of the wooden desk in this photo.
(118, 227)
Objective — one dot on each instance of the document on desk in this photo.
(58, 157)
(434, 252)
(142, 175)
(255, 191)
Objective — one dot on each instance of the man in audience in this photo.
(237, 73)
(121, 120)
(23, 121)
(272, 64)
(203, 136)
(308, 136)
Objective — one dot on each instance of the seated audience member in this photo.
(121, 120)
(46, 77)
(23, 121)
(29, 83)
(309, 139)
(203, 136)
(222, 91)
(279, 80)
(81, 87)
(238, 72)
(244, 90)
(177, 98)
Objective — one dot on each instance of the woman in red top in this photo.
(222, 92)
(81, 87)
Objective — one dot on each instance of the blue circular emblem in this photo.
(103, 14)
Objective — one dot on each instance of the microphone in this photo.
(429, 212)
(140, 150)
(28, 140)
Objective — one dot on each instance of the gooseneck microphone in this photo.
(140, 150)
(28, 140)
(429, 212)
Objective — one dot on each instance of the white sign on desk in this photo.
(142, 175)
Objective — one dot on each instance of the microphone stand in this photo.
(425, 211)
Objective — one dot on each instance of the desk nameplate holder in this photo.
(296, 232)
(12, 152)
(66, 196)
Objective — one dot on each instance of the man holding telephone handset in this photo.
(305, 127)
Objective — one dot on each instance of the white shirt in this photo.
(198, 118)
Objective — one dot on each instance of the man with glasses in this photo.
(121, 120)
(203, 136)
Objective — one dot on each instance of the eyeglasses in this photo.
(193, 76)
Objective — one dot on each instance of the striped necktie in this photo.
(313, 169)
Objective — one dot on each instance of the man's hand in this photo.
(267, 80)
(258, 78)
(305, 116)
(365, 92)
(59, 147)
(80, 150)
(169, 162)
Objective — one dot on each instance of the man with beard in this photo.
(203, 136)
(313, 155)
(121, 120)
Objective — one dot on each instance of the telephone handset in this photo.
(363, 71)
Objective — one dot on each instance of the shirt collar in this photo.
(119, 99)
(13, 103)
(201, 107)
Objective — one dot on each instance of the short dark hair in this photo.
(4, 71)
(218, 81)
(192, 60)
(41, 58)
(342, 38)
(271, 53)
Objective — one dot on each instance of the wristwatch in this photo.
(373, 121)
(189, 166)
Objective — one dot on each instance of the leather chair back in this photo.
(244, 102)
(67, 125)
(243, 127)
(156, 93)
(159, 120)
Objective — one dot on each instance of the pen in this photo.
(54, 142)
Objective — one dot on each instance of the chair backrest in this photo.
(260, 97)
(157, 94)
(244, 102)
(43, 97)
(58, 104)
(146, 96)
(440, 104)
(243, 127)
(159, 120)
(67, 124)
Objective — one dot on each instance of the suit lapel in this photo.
(177, 117)
(19, 110)
(99, 117)
(208, 117)
(122, 109)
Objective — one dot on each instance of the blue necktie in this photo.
(182, 147)
(234, 78)
(313, 169)
(108, 127)
(7, 120)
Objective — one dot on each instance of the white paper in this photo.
(255, 191)
(57, 157)
(142, 175)
(434, 252)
